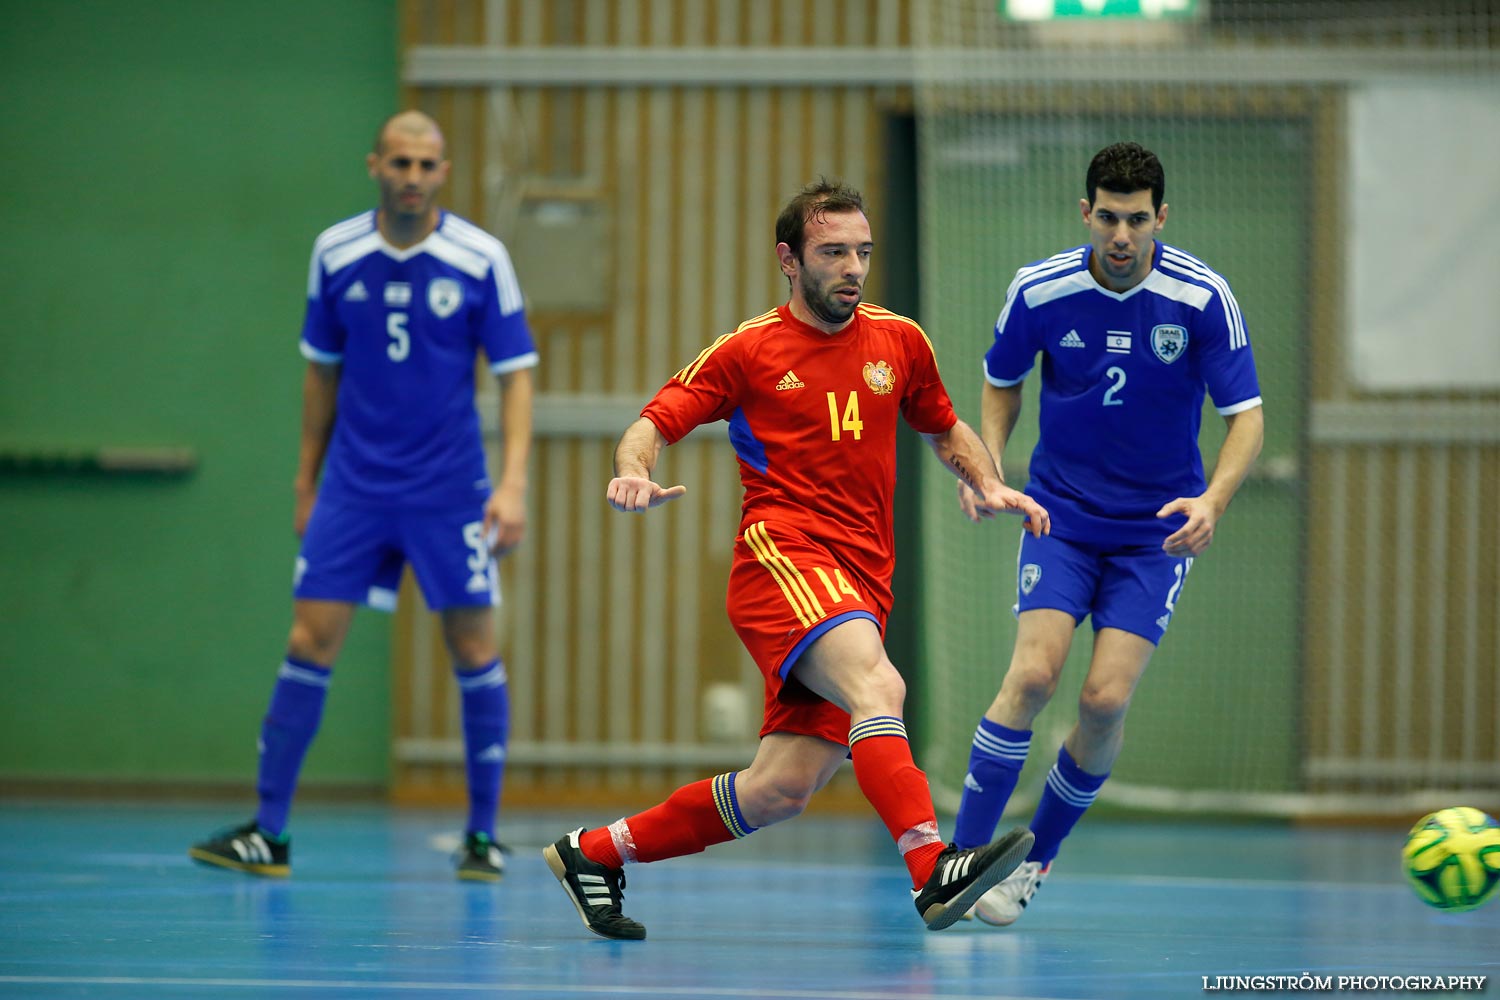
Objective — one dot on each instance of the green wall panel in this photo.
(171, 164)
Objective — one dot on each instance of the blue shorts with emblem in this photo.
(352, 552)
(1129, 587)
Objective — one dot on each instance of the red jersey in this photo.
(812, 417)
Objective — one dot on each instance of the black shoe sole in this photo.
(941, 915)
(560, 870)
(219, 861)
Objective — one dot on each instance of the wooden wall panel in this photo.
(1403, 649)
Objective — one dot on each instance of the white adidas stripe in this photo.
(1068, 792)
(1191, 265)
(1052, 267)
(957, 868)
(252, 849)
(993, 746)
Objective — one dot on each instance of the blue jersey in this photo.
(1123, 377)
(405, 326)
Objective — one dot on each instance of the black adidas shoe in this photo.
(480, 859)
(961, 877)
(246, 848)
(596, 891)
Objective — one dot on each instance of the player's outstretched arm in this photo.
(1247, 432)
(632, 490)
(982, 493)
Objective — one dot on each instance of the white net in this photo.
(1336, 650)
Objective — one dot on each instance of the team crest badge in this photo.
(880, 378)
(1030, 574)
(444, 296)
(1169, 342)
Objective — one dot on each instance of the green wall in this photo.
(168, 166)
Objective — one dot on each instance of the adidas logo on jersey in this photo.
(789, 381)
(1071, 339)
(356, 293)
(1164, 621)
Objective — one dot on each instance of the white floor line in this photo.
(531, 989)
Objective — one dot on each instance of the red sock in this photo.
(692, 818)
(897, 789)
(599, 847)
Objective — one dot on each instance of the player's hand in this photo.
(1192, 538)
(302, 508)
(637, 494)
(968, 502)
(1001, 499)
(505, 518)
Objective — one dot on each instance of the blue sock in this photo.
(1070, 791)
(285, 734)
(995, 765)
(486, 711)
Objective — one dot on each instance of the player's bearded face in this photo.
(409, 170)
(835, 262)
(1122, 230)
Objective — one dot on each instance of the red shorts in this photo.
(785, 590)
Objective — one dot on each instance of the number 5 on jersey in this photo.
(850, 421)
(400, 345)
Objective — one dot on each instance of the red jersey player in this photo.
(811, 391)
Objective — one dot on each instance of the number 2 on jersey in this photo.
(1117, 374)
(850, 421)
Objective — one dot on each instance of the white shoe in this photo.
(1002, 905)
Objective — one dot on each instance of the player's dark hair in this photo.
(821, 197)
(1125, 168)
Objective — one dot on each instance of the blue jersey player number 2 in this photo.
(1131, 333)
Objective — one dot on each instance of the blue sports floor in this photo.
(100, 900)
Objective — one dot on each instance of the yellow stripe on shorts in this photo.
(799, 594)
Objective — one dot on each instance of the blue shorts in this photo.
(1132, 587)
(355, 553)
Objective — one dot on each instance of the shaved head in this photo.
(408, 166)
(410, 124)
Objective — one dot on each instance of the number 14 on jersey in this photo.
(850, 421)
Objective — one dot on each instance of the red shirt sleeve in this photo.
(705, 391)
(926, 405)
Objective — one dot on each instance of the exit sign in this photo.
(1145, 10)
